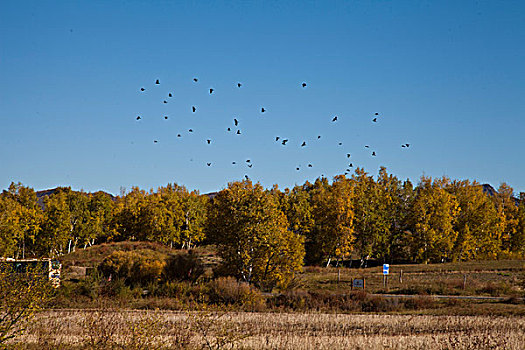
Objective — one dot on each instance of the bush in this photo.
(227, 290)
(135, 268)
(182, 267)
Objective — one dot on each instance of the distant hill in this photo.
(491, 191)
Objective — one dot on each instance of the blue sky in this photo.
(447, 77)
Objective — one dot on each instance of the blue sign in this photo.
(386, 267)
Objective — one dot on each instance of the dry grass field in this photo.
(237, 330)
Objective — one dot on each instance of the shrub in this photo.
(135, 268)
(182, 267)
(227, 290)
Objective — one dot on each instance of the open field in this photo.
(172, 330)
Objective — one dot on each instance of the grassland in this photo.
(218, 330)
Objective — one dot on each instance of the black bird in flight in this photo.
(239, 84)
(195, 80)
(234, 163)
(139, 118)
(211, 91)
(297, 168)
(348, 155)
(304, 85)
(209, 164)
(284, 141)
(229, 129)
(403, 146)
(238, 132)
(209, 141)
(246, 176)
(248, 161)
(318, 137)
(340, 143)
(236, 122)
(303, 144)
(263, 110)
(165, 117)
(250, 165)
(310, 165)
(178, 135)
(407, 144)
(334, 119)
(350, 165)
(193, 109)
(373, 154)
(376, 113)
(366, 146)
(190, 130)
(142, 89)
(277, 138)
(155, 141)
(170, 95)
(157, 82)
(165, 101)
(374, 120)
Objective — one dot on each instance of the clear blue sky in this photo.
(447, 77)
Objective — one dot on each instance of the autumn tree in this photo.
(333, 213)
(431, 220)
(252, 235)
(508, 206)
(20, 220)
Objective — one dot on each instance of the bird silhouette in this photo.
(155, 141)
(374, 120)
(195, 80)
(374, 154)
(209, 141)
(340, 143)
(348, 155)
(366, 146)
(236, 122)
(297, 168)
(304, 85)
(234, 163)
(142, 89)
(248, 161)
(229, 129)
(350, 165)
(178, 135)
(139, 118)
(165, 117)
(284, 141)
(208, 164)
(263, 110)
(170, 95)
(318, 137)
(376, 113)
(194, 109)
(190, 130)
(277, 138)
(246, 177)
(157, 82)
(250, 165)
(239, 84)
(403, 146)
(211, 91)
(165, 101)
(334, 119)
(238, 132)
(303, 144)
(407, 144)
(310, 165)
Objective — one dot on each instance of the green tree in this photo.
(252, 236)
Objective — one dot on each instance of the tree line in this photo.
(270, 233)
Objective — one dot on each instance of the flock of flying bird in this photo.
(277, 138)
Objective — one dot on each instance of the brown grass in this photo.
(175, 330)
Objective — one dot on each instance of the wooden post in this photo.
(401, 276)
(464, 281)
(338, 275)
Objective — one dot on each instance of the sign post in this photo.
(386, 269)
